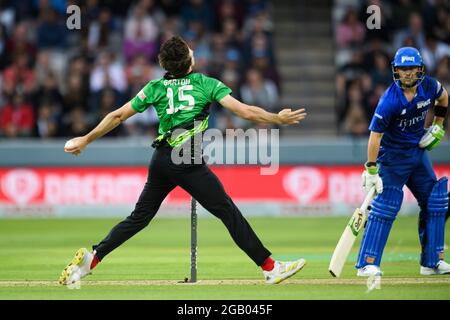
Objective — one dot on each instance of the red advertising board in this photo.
(304, 185)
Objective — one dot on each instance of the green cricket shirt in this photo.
(178, 101)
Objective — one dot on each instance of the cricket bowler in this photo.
(181, 99)
(398, 155)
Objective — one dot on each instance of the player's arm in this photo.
(109, 122)
(435, 131)
(257, 114)
(370, 175)
(441, 108)
(373, 147)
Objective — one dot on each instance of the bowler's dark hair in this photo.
(174, 57)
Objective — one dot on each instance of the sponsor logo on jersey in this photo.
(404, 123)
(408, 58)
(422, 104)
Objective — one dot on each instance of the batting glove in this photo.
(432, 137)
(371, 178)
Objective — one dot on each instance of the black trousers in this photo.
(201, 183)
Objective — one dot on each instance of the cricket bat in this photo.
(355, 225)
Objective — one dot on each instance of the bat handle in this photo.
(368, 199)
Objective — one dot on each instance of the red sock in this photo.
(94, 262)
(268, 264)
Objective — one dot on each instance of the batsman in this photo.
(397, 155)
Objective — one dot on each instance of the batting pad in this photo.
(384, 210)
(433, 240)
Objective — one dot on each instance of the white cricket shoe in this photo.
(78, 268)
(441, 268)
(283, 270)
(369, 271)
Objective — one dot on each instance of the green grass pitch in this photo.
(34, 251)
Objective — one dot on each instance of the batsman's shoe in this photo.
(369, 271)
(283, 270)
(441, 268)
(78, 268)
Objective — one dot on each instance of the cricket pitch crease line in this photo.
(363, 281)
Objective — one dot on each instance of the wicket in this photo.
(193, 241)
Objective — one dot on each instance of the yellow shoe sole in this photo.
(280, 279)
(76, 261)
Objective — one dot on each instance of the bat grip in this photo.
(368, 199)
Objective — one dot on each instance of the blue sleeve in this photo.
(382, 116)
(435, 89)
(438, 93)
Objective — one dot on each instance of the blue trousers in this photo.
(410, 167)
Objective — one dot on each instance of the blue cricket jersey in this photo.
(402, 122)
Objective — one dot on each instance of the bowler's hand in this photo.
(287, 116)
(76, 145)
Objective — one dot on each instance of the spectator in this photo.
(3, 43)
(267, 69)
(355, 68)
(101, 31)
(372, 74)
(258, 23)
(42, 67)
(73, 77)
(197, 10)
(51, 32)
(220, 117)
(350, 32)
(171, 26)
(19, 43)
(17, 118)
(58, 6)
(19, 75)
(231, 35)
(255, 6)
(414, 30)
(229, 9)
(48, 92)
(141, 33)
(76, 123)
(434, 51)
(260, 46)
(374, 97)
(441, 27)
(77, 94)
(139, 72)
(355, 122)
(202, 51)
(443, 72)
(218, 50)
(170, 8)
(402, 11)
(47, 121)
(381, 72)
(259, 91)
(108, 73)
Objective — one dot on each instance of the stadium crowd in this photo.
(57, 82)
(363, 55)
